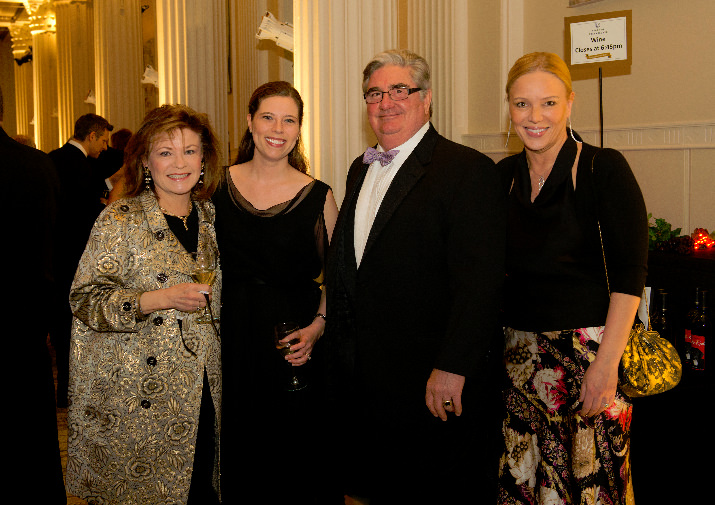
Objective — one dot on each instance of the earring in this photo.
(201, 175)
(147, 179)
(508, 134)
(571, 131)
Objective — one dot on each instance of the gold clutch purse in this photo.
(649, 365)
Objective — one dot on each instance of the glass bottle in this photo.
(700, 334)
(690, 318)
(660, 320)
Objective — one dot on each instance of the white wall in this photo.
(661, 116)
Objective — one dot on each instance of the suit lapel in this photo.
(346, 229)
(411, 171)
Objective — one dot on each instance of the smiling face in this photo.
(275, 127)
(539, 107)
(395, 122)
(175, 164)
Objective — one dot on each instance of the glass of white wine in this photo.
(280, 331)
(204, 272)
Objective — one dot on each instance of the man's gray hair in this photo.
(419, 68)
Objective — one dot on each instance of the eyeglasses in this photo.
(396, 94)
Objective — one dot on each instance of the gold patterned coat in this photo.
(136, 383)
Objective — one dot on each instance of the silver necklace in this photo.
(540, 183)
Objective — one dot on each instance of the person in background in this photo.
(273, 224)
(30, 188)
(119, 140)
(145, 375)
(25, 140)
(109, 164)
(566, 427)
(414, 285)
(79, 206)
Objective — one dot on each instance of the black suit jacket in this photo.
(428, 289)
(103, 167)
(30, 191)
(78, 209)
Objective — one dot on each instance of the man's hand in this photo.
(444, 387)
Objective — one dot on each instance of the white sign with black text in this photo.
(599, 41)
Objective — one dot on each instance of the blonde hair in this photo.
(546, 62)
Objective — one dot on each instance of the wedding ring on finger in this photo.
(447, 403)
(307, 357)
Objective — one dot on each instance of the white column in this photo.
(24, 101)
(118, 62)
(253, 62)
(44, 58)
(193, 59)
(512, 44)
(334, 40)
(75, 62)
(437, 31)
(247, 73)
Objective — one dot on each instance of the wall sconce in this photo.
(90, 98)
(150, 76)
(280, 33)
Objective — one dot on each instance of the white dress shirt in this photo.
(78, 146)
(377, 181)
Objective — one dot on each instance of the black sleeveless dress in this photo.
(272, 262)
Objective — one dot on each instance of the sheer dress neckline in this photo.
(275, 210)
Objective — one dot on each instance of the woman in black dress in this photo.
(273, 228)
(566, 431)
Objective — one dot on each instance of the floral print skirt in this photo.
(551, 454)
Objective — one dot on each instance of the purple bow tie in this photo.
(384, 158)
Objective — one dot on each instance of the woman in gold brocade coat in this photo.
(145, 376)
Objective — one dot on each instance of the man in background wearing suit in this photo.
(413, 285)
(82, 186)
(30, 190)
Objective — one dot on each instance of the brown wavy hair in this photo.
(296, 158)
(168, 119)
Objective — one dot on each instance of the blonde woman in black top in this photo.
(566, 429)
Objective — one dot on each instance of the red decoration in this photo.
(701, 239)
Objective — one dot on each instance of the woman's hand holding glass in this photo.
(186, 297)
(204, 272)
(307, 337)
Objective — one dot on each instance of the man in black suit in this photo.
(30, 190)
(413, 285)
(82, 186)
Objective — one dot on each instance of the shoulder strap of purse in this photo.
(600, 235)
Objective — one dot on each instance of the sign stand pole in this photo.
(597, 41)
(600, 102)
